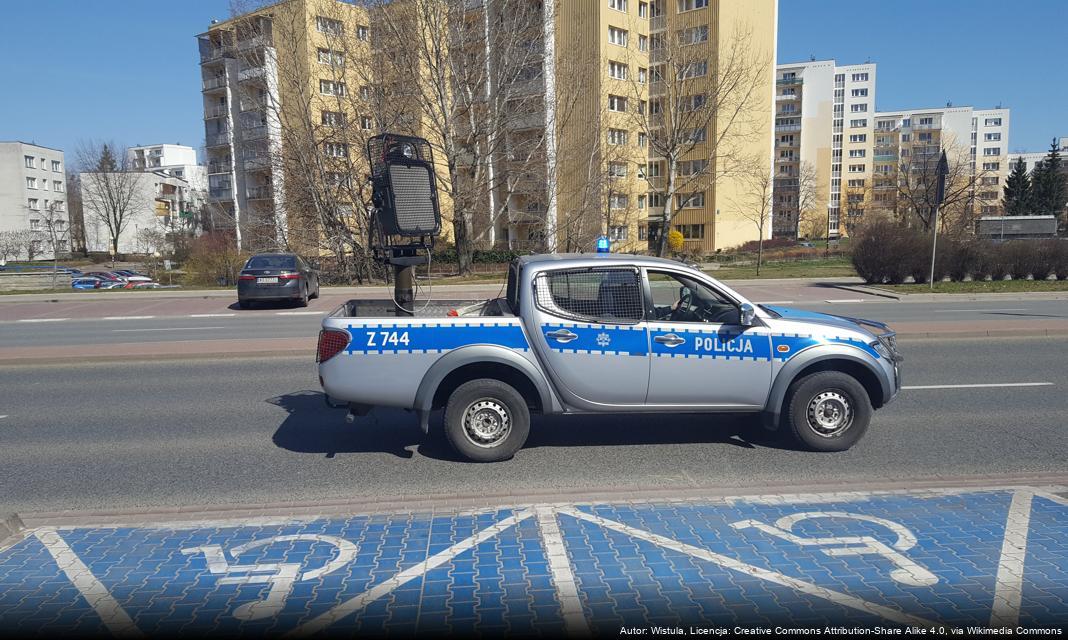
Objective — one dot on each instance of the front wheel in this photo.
(827, 411)
(486, 420)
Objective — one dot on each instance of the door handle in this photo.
(669, 339)
(561, 335)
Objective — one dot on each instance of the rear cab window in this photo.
(271, 262)
(612, 296)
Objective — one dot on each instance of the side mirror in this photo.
(314, 265)
(748, 313)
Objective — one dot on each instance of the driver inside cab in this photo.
(677, 298)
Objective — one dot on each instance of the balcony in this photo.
(212, 84)
(220, 167)
(259, 193)
(885, 157)
(217, 139)
(262, 40)
(787, 160)
(788, 81)
(215, 54)
(658, 23)
(253, 105)
(257, 132)
(257, 163)
(220, 193)
(787, 97)
(927, 127)
(787, 144)
(787, 128)
(657, 55)
(252, 74)
(216, 111)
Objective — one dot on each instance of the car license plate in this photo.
(266, 280)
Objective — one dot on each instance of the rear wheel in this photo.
(486, 420)
(302, 301)
(827, 411)
(316, 294)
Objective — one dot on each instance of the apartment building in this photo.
(909, 143)
(175, 160)
(1031, 158)
(33, 193)
(823, 141)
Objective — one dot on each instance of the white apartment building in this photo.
(1031, 158)
(823, 131)
(33, 190)
(176, 160)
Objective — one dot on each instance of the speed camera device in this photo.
(404, 192)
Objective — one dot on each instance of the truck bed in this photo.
(495, 307)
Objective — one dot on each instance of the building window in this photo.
(991, 166)
(618, 5)
(331, 88)
(693, 35)
(31, 163)
(857, 153)
(858, 124)
(641, 107)
(617, 233)
(34, 204)
(859, 93)
(699, 68)
(35, 224)
(857, 184)
(643, 75)
(993, 122)
(643, 43)
(992, 137)
(656, 199)
(367, 123)
(618, 201)
(617, 36)
(333, 118)
(858, 108)
(642, 140)
(856, 168)
(617, 136)
(329, 26)
(860, 77)
(57, 186)
(643, 9)
(31, 183)
(334, 58)
(692, 103)
(617, 103)
(55, 166)
(858, 137)
(654, 169)
(992, 151)
(691, 200)
(692, 231)
(617, 70)
(691, 167)
(336, 149)
(641, 201)
(695, 135)
(989, 180)
(924, 137)
(617, 169)
(690, 5)
(361, 32)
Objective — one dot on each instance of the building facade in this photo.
(33, 196)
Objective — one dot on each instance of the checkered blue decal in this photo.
(600, 339)
(893, 559)
(415, 338)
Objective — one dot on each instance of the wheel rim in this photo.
(830, 414)
(486, 423)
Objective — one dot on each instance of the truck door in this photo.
(592, 334)
(700, 354)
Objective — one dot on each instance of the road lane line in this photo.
(847, 300)
(299, 313)
(978, 386)
(109, 610)
(972, 310)
(3, 416)
(127, 317)
(1008, 590)
(44, 320)
(212, 315)
(836, 597)
(776, 302)
(748, 569)
(352, 605)
(167, 329)
(564, 579)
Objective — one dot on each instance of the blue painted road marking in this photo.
(880, 559)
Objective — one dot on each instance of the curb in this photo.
(457, 502)
(870, 291)
(11, 528)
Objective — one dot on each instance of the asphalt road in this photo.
(226, 431)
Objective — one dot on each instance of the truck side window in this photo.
(601, 295)
(677, 298)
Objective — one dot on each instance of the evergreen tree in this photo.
(1048, 184)
(1017, 190)
(107, 163)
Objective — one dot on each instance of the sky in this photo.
(128, 72)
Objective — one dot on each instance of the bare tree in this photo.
(756, 199)
(703, 96)
(55, 231)
(109, 188)
(13, 242)
(811, 202)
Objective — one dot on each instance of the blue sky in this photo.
(128, 71)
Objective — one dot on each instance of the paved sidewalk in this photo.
(985, 557)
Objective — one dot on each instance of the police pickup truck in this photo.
(609, 333)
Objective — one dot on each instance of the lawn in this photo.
(822, 268)
(998, 286)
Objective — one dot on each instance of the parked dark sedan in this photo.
(277, 276)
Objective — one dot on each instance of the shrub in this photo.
(1059, 257)
(214, 260)
(884, 252)
(772, 243)
(675, 241)
(962, 260)
(1047, 258)
(1021, 259)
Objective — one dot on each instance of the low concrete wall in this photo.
(32, 281)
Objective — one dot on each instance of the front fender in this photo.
(823, 353)
(476, 354)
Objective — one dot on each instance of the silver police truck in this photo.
(608, 333)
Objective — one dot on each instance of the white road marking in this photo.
(109, 610)
(44, 319)
(847, 300)
(352, 605)
(127, 317)
(299, 313)
(972, 310)
(168, 329)
(1061, 500)
(843, 599)
(564, 579)
(978, 386)
(1008, 591)
(212, 315)
(776, 302)
(3, 416)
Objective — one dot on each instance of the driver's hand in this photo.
(676, 305)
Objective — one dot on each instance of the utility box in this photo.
(1016, 227)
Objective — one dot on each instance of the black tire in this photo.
(302, 301)
(827, 411)
(244, 304)
(316, 296)
(503, 404)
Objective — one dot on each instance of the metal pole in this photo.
(403, 290)
(934, 244)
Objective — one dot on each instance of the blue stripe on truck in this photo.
(411, 338)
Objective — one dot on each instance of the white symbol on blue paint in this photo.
(907, 572)
(280, 575)
(603, 340)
